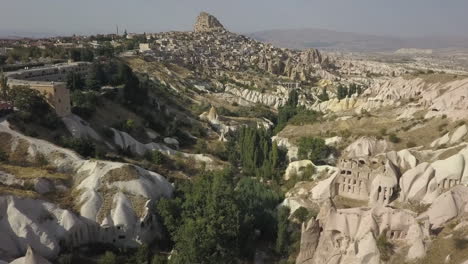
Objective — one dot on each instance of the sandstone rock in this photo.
(101, 185)
(309, 241)
(426, 181)
(172, 142)
(348, 234)
(31, 258)
(297, 168)
(447, 206)
(366, 147)
(208, 23)
(333, 141)
(292, 149)
(458, 135)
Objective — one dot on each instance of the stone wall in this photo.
(50, 81)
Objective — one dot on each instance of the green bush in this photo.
(386, 248)
(313, 149)
(394, 139)
(83, 146)
(301, 214)
(108, 258)
(3, 156)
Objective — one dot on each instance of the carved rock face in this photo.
(208, 23)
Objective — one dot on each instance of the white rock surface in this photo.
(366, 147)
(30, 258)
(297, 168)
(41, 225)
(426, 181)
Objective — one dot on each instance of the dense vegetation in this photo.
(228, 216)
(254, 151)
(348, 91)
(291, 113)
(314, 149)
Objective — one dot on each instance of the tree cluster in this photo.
(347, 91)
(314, 149)
(216, 220)
(294, 114)
(254, 151)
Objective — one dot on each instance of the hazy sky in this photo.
(383, 17)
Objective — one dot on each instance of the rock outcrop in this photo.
(110, 195)
(349, 235)
(427, 181)
(366, 147)
(31, 258)
(208, 23)
(297, 168)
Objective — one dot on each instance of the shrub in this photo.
(386, 248)
(108, 258)
(157, 157)
(158, 259)
(84, 146)
(301, 214)
(383, 131)
(41, 160)
(107, 132)
(394, 139)
(3, 156)
(313, 149)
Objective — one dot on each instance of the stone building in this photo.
(51, 82)
(372, 180)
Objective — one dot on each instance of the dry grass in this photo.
(5, 190)
(138, 203)
(5, 142)
(342, 202)
(33, 172)
(21, 152)
(456, 246)
(416, 207)
(109, 113)
(124, 173)
(107, 199)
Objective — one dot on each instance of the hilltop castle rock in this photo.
(208, 23)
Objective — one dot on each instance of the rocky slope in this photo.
(111, 201)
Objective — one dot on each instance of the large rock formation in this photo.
(208, 23)
(113, 199)
(349, 235)
(427, 181)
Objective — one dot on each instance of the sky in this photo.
(378, 17)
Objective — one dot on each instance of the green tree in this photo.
(108, 258)
(282, 235)
(342, 92)
(209, 211)
(75, 81)
(324, 95)
(29, 100)
(95, 78)
(4, 89)
(313, 149)
(257, 205)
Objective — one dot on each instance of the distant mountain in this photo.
(346, 41)
(5, 34)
